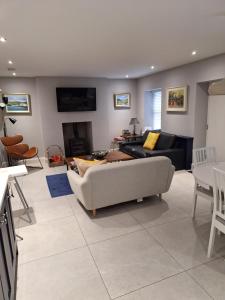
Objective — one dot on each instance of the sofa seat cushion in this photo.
(165, 141)
(135, 150)
(162, 152)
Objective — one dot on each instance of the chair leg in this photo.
(211, 240)
(32, 167)
(195, 201)
(40, 161)
(94, 212)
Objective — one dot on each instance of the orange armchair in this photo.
(18, 151)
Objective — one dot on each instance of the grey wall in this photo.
(190, 75)
(44, 126)
(201, 112)
(29, 126)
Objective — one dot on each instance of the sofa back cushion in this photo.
(126, 180)
(145, 135)
(165, 141)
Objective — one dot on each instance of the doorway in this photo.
(216, 125)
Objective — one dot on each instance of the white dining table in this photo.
(204, 172)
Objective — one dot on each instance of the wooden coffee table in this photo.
(112, 156)
(117, 155)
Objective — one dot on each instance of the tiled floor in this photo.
(132, 251)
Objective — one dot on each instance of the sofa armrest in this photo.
(170, 177)
(81, 188)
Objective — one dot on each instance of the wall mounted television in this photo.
(76, 99)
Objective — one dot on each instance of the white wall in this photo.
(190, 75)
(201, 111)
(216, 123)
(29, 126)
(44, 126)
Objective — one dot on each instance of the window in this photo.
(152, 109)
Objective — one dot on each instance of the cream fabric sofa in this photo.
(117, 182)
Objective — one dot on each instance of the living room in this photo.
(66, 252)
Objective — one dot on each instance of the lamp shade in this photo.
(133, 121)
(12, 120)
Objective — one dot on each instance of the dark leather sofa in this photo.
(177, 148)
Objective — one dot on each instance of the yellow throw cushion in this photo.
(151, 140)
(83, 164)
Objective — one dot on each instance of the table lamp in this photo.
(134, 121)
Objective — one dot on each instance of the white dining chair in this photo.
(218, 217)
(202, 156)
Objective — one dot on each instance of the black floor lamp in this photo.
(12, 120)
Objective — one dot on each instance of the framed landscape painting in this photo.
(18, 104)
(122, 101)
(176, 99)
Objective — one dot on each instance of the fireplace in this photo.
(77, 138)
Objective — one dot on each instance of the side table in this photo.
(131, 137)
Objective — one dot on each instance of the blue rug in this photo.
(58, 185)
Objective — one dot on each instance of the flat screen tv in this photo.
(76, 99)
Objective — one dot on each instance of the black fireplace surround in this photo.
(77, 138)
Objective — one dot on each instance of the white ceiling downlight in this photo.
(90, 39)
(2, 39)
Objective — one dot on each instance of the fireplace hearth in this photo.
(77, 138)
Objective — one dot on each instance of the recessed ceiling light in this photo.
(194, 52)
(10, 62)
(152, 67)
(14, 73)
(2, 39)
(127, 76)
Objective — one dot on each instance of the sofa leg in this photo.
(139, 200)
(160, 196)
(94, 212)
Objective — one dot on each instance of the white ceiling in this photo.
(107, 38)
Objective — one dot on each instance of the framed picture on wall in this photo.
(18, 103)
(122, 101)
(176, 99)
